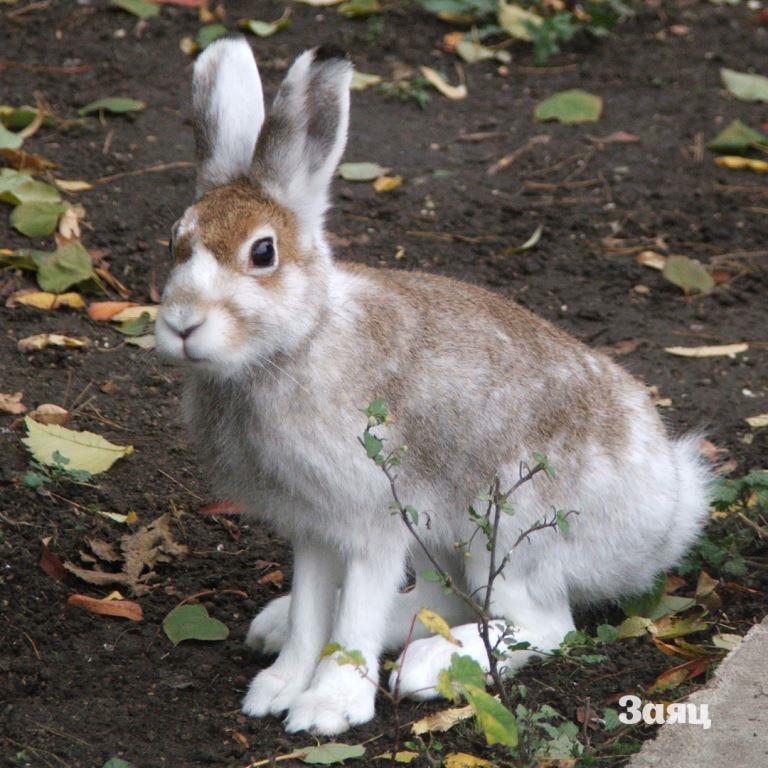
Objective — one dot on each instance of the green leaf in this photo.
(9, 139)
(517, 21)
(359, 8)
(86, 451)
(330, 754)
(378, 411)
(116, 762)
(688, 274)
(497, 723)
(372, 444)
(65, 267)
(117, 105)
(361, 171)
(738, 137)
(531, 242)
(432, 576)
(23, 259)
(206, 35)
(30, 191)
(563, 524)
(363, 80)
(569, 107)
(147, 341)
(611, 719)
(642, 605)
(17, 118)
(607, 633)
(36, 219)
(141, 8)
(266, 28)
(135, 327)
(192, 622)
(744, 86)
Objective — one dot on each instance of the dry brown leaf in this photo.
(21, 160)
(652, 259)
(12, 403)
(106, 310)
(720, 350)
(50, 563)
(69, 225)
(43, 340)
(273, 577)
(45, 300)
(72, 186)
(124, 609)
(453, 92)
(441, 721)
(48, 413)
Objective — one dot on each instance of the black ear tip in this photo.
(329, 51)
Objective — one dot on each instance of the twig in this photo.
(181, 485)
(41, 5)
(507, 160)
(761, 532)
(158, 168)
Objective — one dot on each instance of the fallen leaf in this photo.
(22, 160)
(209, 34)
(72, 185)
(134, 312)
(757, 422)
(116, 105)
(668, 627)
(676, 676)
(12, 403)
(688, 274)
(352, 9)
(49, 413)
(738, 137)
(570, 107)
(192, 622)
(726, 641)
(361, 171)
(736, 163)
(273, 577)
(633, 626)
(472, 52)
(124, 609)
(516, 21)
(46, 300)
(464, 760)
(36, 219)
(266, 28)
(65, 267)
(69, 225)
(86, 451)
(363, 80)
(221, 508)
(436, 624)
(652, 259)
(50, 563)
(404, 756)
(531, 242)
(328, 754)
(106, 310)
(453, 92)
(135, 326)
(147, 341)
(443, 720)
(9, 139)
(42, 340)
(387, 183)
(721, 350)
(744, 86)
(141, 551)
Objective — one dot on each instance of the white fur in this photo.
(276, 413)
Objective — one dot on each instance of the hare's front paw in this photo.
(333, 705)
(269, 629)
(271, 692)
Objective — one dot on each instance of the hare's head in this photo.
(250, 257)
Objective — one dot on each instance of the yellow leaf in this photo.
(463, 760)
(436, 624)
(721, 350)
(757, 422)
(363, 80)
(114, 595)
(736, 163)
(404, 756)
(387, 183)
(454, 92)
(443, 720)
(72, 186)
(514, 21)
(43, 340)
(652, 259)
(46, 300)
(85, 450)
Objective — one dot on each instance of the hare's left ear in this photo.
(228, 107)
(304, 137)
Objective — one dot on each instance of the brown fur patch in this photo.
(227, 215)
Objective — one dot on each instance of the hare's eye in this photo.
(263, 252)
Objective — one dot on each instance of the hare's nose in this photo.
(185, 333)
(183, 327)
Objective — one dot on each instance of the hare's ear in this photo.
(228, 107)
(304, 136)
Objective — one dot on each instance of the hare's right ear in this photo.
(228, 107)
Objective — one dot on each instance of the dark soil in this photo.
(77, 689)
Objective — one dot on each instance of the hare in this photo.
(283, 347)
